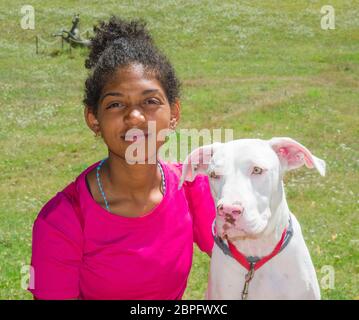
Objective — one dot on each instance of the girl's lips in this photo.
(135, 137)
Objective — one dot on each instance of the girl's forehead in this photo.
(133, 77)
(131, 70)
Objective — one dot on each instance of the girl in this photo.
(123, 230)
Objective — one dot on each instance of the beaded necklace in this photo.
(163, 183)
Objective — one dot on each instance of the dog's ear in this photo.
(293, 155)
(197, 162)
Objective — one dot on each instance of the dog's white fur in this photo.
(249, 173)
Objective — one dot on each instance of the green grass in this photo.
(262, 68)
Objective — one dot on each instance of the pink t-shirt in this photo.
(91, 253)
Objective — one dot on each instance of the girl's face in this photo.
(130, 100)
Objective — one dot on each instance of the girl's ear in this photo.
(176, 111)
(91, 120)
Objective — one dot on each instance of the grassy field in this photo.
(263, 68)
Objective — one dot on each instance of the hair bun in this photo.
(114, 31)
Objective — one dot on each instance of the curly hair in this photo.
(119, 43)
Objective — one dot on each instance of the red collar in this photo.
(243, 260)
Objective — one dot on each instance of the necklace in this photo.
(162, 187)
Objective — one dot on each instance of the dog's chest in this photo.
(283, 277)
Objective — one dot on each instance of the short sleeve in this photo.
(56, 251)
(202, 209)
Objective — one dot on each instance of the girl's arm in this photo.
(56, 251)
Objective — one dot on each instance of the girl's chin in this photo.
(146, 159)
(137, 139)
(133, 153)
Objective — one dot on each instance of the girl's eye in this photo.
(115, 105)
(257, 170)
(152, 101)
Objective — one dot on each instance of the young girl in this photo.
(123, 230)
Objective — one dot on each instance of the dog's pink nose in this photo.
(235, 208)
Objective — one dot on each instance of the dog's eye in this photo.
(213, 175)
(257, 170)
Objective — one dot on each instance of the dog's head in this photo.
(246, 180)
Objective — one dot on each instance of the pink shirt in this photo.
(93, 254)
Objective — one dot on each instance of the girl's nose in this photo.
(135, 117)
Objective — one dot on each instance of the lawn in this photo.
(261, 68)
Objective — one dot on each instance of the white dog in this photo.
(259, 250)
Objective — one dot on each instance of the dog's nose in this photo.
(235, 208)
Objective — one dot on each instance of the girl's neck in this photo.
(129, 180)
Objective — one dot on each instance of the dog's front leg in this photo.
(226, 277)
